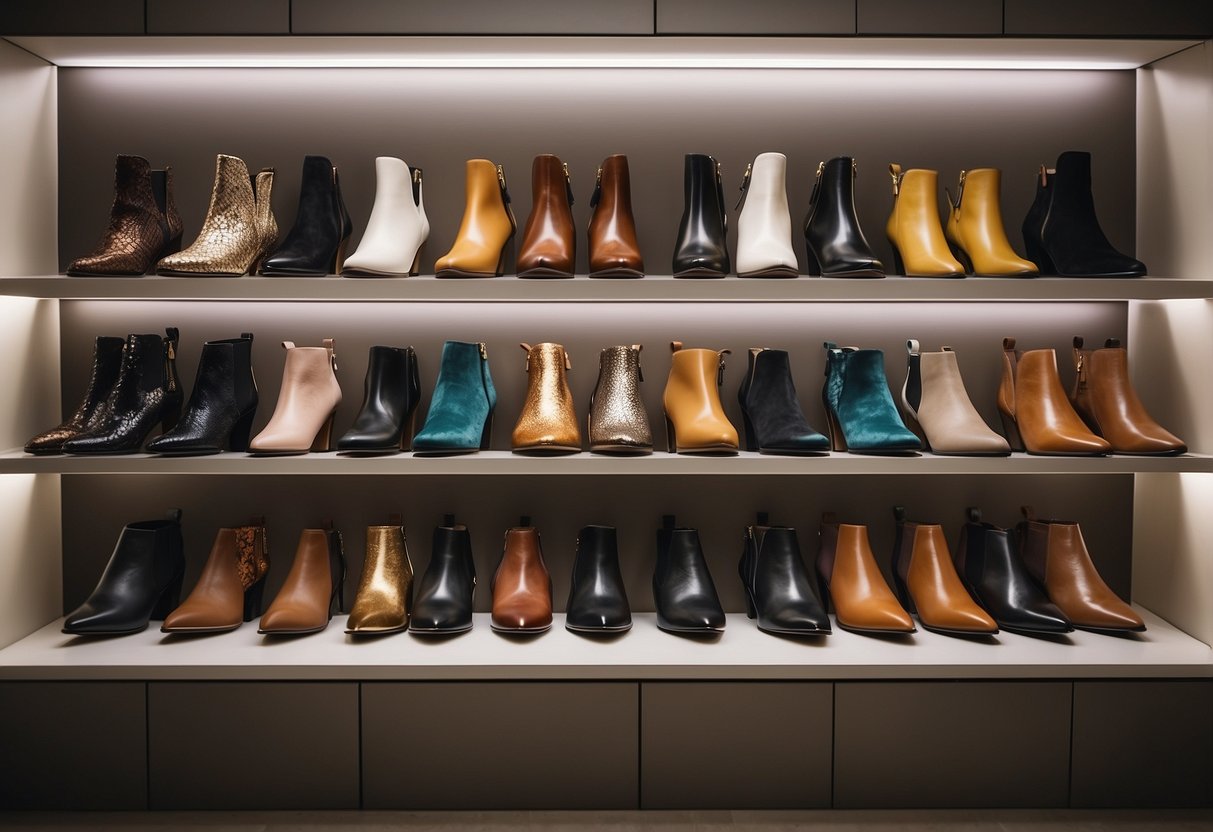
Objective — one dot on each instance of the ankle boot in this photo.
(1056, 555)
(239, 229)
(315, 245)
(694, 417)
(937, 407)
(618, 423)
(92, 409)
(683, 591)
(385, 591)
(1000, 582)
(522, 587)
(460, 420)
(834, 241)
(222, 404)
(863, 602)
(1104, 397)
(232, 584)
(927, 582)
(389, 404)
(142, 581)
(598, 602)
(975, 230)
(398, 227)
(1061, 231)
(549, 243)
(860, 412)
(764, 227)
(315, 584)
(1036, 414)
(702, 249)
(144, 225)
(448, 587)
(919, 246)
(548, 422)
(307, 402)
(614, 248)
(779, 593)
(147, 394)
(774, 422)
(487, 228)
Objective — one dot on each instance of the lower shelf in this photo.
(645, 653)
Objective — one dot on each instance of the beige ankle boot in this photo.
(303, 417)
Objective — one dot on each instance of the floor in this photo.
(868, 821)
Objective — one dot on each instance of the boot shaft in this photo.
(703, 193)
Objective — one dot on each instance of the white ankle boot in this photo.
(764, 229)
(398, 226)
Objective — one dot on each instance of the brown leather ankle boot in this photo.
(863, 602)
(231, 586)
(614, 248)
(314, 585)
(522, 587)
(549, 243)
(1036, 414)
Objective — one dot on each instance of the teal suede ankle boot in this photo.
(861, 415)
(460, 420)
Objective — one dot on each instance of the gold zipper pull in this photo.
(896, 173)
(821, 168)
(484, 351)
(505, 191)
(597, 195)
(720, 371)
(745, 185)
(568, 181)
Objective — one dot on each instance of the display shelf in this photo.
(651, 289)
(505, 463)
(741, 652)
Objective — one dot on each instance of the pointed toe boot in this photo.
(307, 402)
(702, 248)
(398, 228)
(617, 422)
(1036, 414)
(389, 404)
(937, 406)
(385, 591)
(107, 365)
(683, 592)
(315, 245)
(779, 591)
(232, 584)
(549, 242)
(315, 584)
(522, 586)
(488, 225)
(863, 602)
(548, 422)
(598, 602)
(694, 416)
(447, 588)
(834, 240)
(460, 419)
(764, 226)
(919, 246)
(613, 244)
(975, 229)
(774, 421)
(860, 412)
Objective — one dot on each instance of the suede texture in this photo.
(857, 392)
(774, 421)
(463, 401)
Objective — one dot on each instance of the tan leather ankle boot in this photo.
(549, 243)
(548, 422)
(1036, 414)
(694, 417)
(975, 228)
(522, 587)
(307, 402)
(231, 586)
(487, 227)
(315, 584)
(862, 600)
(919, 247)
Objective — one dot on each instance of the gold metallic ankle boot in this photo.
(548, 422)
(385, 592)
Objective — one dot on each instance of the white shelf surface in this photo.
(650, 289)
(741, 652)
(505, 463)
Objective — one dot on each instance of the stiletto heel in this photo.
(751, 611)
(486, 435)
(1012, 432)
(814, 267)
(671, 442)
(239, 437)
(169, 599)
(751, 442)
(337, 567)
(898, 266)
(252, 600)
(415, 269)
(324, 438)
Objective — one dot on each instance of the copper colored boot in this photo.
(1104, 397)
(863, 602)
(694, 417)
(548, 422)
(314, 585)
(614, 248)
(231, 586)
(1055, 554)
(522, 587)
(549, 243)
(487, 228)
(1036, 414)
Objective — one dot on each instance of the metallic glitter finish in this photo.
(548, 422)
(386, 588)
(618, 422)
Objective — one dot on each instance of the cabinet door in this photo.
(472, 17)
(756, 17)
(929, 17)
(1121, 18)
(219, 17)
(71, 17)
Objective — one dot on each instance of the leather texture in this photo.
(488, 225)
(764, 226)
(142, 581)
(834, 239)
(548, 421)
(315, 245)
(385, 590)
(239, 229)
(617, 421)
(774, 422)
(919, 246)
(549, 241)
(779, 591)
(683, 592)
(314, 585)
(92, 409)
(598, 602)
(975, 228)
(390, 397)
(859, 407)
(928, 584)
(702, 248)
(613, 243)
(460, 418)
(1103, 395)
(445, 592)
(937, 406)
(144, 224)
(222, 404)
(307, 400)
(522, 586)
(1061, 230)
(863, 602)
(231, 586)
(694, 416)
(1035, 412)
(398, 227)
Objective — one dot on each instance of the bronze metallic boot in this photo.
(548, 422)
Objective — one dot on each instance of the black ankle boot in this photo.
(683, 591)
(1061, 231)
(702, 250)
(834, 240)
(778, 590)
(774, 422)
(147, 393)
(316, 243)
(385, 422)
(107, 364)
(142, 581)
(598, 602)
(222, 404)
(446, 590)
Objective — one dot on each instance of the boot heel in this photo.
(1037, 254)
(324, 438)
(486, 435)
(1012, 432)
(751, 442)
(750, 610)
(239, 437)
(415, 269)
(253, 597)
(838, 442)
(339, 257)
(962, 258)
(337, 566)
(671, 440)
(898, 266)
(169, 600)
(501, 260)
(406, 436)
(903, 594)
(814, 267)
